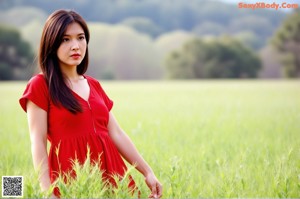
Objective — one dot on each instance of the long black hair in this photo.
(52, 36)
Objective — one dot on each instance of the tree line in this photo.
(156, 17)
(142, 47)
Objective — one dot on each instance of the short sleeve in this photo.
(108, 102)
(37, 92)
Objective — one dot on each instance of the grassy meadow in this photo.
(207, 138)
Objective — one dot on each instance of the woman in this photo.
(72, 110)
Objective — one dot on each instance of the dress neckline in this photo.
(89, 95)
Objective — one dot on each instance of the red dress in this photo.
(72, 134)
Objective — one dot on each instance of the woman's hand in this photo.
(53, 196)
(154, 185)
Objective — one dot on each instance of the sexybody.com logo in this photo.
(260, 5)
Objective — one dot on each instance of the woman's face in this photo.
(73, 46)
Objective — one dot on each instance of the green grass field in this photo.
(202, 138)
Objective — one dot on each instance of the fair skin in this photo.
(70, 53)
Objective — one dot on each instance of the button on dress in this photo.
(71, 135)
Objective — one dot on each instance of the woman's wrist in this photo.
(148, 172)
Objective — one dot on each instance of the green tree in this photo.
(250, 39)
(15, 55)
(287, 41)
(220, 58)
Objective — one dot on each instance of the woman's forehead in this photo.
(74, 29)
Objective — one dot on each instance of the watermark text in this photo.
(262, 5)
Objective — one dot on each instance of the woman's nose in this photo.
(75, 45)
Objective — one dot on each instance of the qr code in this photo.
(12, 186)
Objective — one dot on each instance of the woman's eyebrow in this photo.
(77, 34)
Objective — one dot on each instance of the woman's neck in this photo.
(71, 74)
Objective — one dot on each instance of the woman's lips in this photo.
(75, 56)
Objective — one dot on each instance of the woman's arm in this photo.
(131, 154)
(37, 122)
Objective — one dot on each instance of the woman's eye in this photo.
(65, 39)
(82, 37)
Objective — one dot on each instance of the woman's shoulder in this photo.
(94, 82)
(38, 79)
(92, 79)
(38, 82)
(36, 91)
